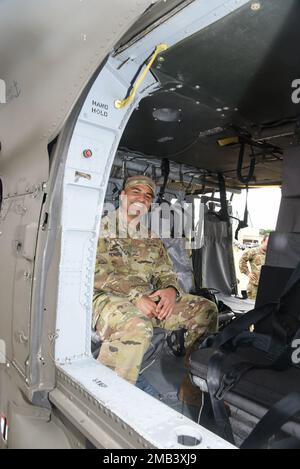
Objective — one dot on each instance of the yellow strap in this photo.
(228, 141)
(119, 104)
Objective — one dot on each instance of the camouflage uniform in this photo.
(126, 269)
(257, 258)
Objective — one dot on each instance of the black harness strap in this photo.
(219, 409)
(241, 324)
(245, 179)
(243, 223)
(223, 214)
(165, 172)
(272, 422)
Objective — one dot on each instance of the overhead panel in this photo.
(233, 75)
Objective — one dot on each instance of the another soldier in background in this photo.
(135, 288)
(256, 258)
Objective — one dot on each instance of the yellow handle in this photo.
(119, 104)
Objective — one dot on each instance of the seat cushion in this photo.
(264, 387)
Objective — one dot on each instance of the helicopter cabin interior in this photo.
(223, 121)
(204, 97)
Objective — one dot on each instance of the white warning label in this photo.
(100, 109)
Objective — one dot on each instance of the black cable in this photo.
(165, 171)
(223, 213)
(274, 124)
(243, 223)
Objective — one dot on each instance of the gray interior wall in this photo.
(284, 245)
(288, 218)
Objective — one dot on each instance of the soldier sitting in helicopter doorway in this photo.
(136, 289)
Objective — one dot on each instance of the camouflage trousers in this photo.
(126, 332)
(252, 291)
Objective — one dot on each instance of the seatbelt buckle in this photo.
(226, 385)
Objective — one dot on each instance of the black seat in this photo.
(258, 390)
(262, 387)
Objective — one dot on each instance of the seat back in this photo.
(282, 258)
(182, 263)
(273, 281)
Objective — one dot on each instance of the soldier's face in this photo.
(136, 201)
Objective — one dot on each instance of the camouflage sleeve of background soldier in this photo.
(107, 280)
(246, 257)
(164, 271)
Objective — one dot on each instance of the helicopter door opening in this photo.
(96, 136)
